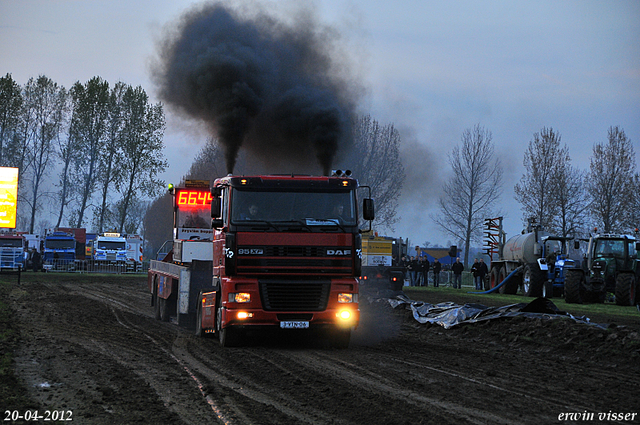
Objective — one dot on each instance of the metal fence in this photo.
(446, 279)
(87, 266)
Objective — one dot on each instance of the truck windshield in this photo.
(194, 217)
(114, 245)
(308, 208)
(59, 244)
(13, 243)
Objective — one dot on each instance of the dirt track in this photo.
(93, 348)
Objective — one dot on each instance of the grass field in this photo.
(440, 294)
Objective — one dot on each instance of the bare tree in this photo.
(109, 171)
(67, 151)
(142, 157)
(610, 181)
(471, 193)
(45, 104)
(544, 161)
(572, 200)
(10, 108)
(375, 161)
(88, 132)
(209, 163)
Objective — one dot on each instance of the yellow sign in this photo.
(377, 247)
(8, 197)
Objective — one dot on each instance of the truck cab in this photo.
(59, 251)
(286, 254)
(110, 249)
(12, 251)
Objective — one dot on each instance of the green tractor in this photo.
(611, 265)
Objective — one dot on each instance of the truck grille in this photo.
(295, 295)
(296, 260)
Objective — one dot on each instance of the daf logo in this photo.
(338, 252)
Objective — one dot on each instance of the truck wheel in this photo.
(574, 283)
(493, 277)
(626, 289)
(532, 281)
(547, 289)
(163, 306)
(229, 336)
(199, 319)
(154, 299)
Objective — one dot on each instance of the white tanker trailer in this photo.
(538, 260)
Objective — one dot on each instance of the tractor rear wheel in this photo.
(574, 283)
(532, 281)
(626, 289)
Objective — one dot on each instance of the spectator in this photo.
(437, 266)
(35, 260)
(425, 271)
(457, 269)
(475, 273)
(413, 271)
(482, 271)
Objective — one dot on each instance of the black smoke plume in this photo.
(258, 82)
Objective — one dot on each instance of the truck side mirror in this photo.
(216, 205)
(368, 210)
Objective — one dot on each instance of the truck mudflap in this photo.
(207, 312)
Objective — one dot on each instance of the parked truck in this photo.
(12, 251)
(280, 251)
(537, 260)
(134, 252)
(59, 251)
(109, 249)
(382, 273)
(611, 265)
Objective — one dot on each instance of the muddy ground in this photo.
(91, 348)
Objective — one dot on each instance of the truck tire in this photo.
(532, 281)
(626, 289)
(154, 299)
(229, 336)
(163, 305)
(574, 283)
(493, 277)
(199, 319)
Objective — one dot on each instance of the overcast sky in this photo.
(431, 68)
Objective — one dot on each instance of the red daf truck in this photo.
(280, 251)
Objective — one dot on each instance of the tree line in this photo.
(91, 153)
(563, 199)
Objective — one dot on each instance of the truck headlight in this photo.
(347, 298)
(240, 297)
(344, 314)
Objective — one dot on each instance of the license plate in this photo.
(294, 325)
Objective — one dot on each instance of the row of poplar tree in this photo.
(91, 153)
